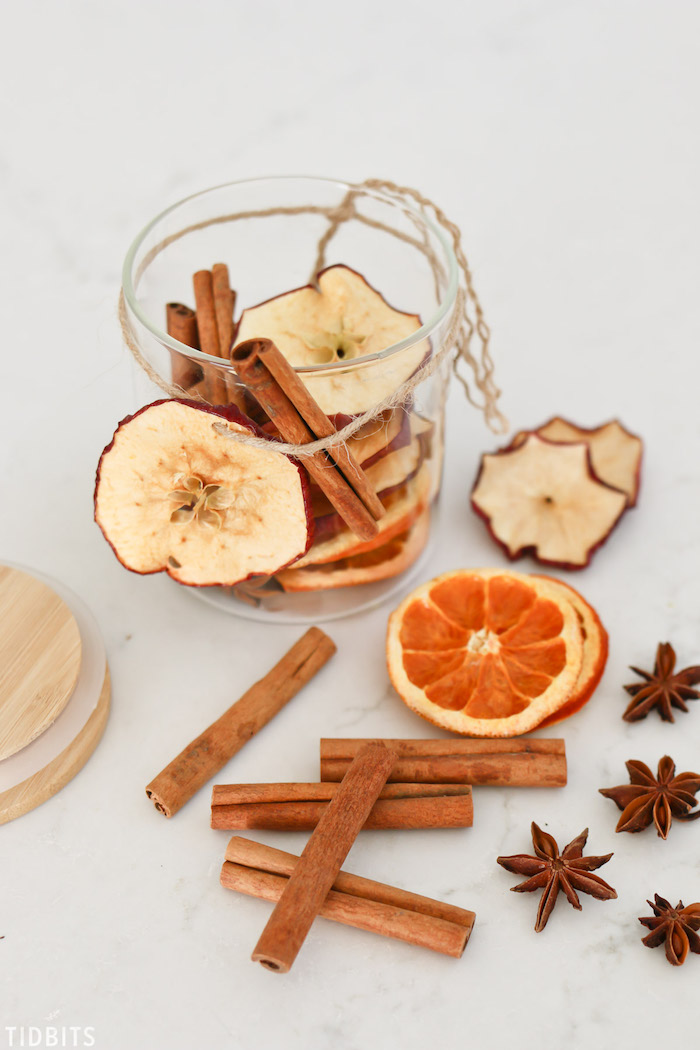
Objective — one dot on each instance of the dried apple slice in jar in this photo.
(484, 652)
(387, 561)
(176, 495)
(543, 498)
(402, 508)
(389, 432)
(344, 320)
(385, 475)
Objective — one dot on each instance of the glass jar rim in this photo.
(197, 355)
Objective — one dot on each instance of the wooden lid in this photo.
(40, 654)
(55, 775)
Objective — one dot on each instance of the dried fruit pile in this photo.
(175, 495)
(489, 652)
(557, 492)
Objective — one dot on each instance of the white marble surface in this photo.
(562, 137)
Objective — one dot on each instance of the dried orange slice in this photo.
(595, 654)
(485, 652)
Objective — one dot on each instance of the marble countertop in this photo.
(562, 138)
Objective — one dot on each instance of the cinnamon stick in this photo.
(224, 303)
(208, 333)
(284, 413)
(261, 871)
(319, 424)
(320, 863)
(299, 807)
(536, 762)
(223, 307)
(181, 324)
(212, 749)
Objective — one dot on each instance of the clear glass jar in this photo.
(268, 232)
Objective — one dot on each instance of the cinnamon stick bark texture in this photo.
(208, 333)
(212, 749)
(319, 424)
(181, 324)
(223, 307)
(284, 413)
(320, 863)
(261, 871)
(497, 763)
(299, 807)
(224, 304)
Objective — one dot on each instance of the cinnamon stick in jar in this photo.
(212, 749)
(299, 807)
(319, 424)
(181, 324)
(534, 762)
(261, 871)
(284, 413)
(320, 863)
(224, 299)
(224, 304)
(208, 333)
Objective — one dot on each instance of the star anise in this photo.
(552, 871)
(657, 798)
(674, 927)
(663, 689)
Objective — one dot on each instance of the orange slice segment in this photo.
(486, 652)
(595, 654)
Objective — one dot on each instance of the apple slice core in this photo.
(174, 495)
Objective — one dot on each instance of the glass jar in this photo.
(269, 232)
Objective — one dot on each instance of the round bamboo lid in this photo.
(40, 657)
(54, 688)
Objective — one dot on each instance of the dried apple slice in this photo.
(616, 453)
(386, 474)
(544, 498)
(383, 563)
(344, 320)
(174, 495)
(402, 509)
(387, 433)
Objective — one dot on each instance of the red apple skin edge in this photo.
(320, 273)
(591, 430)
(232, 415)
(531, 550)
